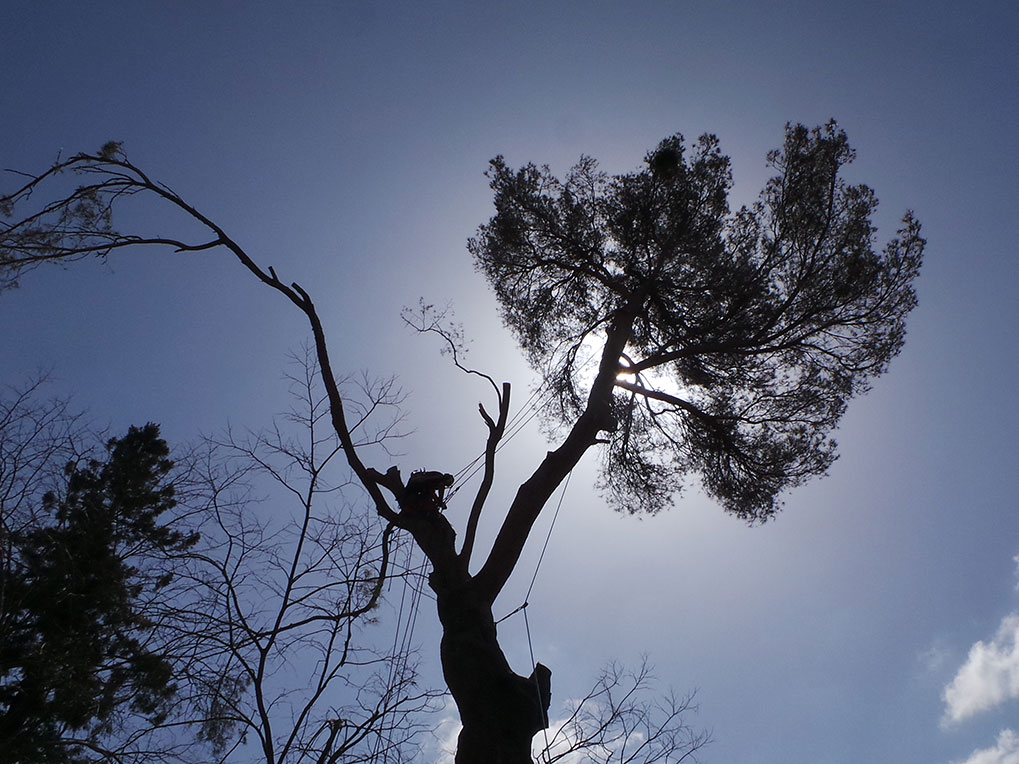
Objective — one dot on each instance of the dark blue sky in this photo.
(344, 143)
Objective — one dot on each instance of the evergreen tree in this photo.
(75, 653)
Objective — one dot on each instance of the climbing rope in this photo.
(537, 684)
(523, 608)
(548, 536)
(403, 635)
(538, 399)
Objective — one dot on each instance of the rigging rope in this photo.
(527, 624)
(414, 576)
(548, 536)
(413, 579)
(517, 422)
(537, 685)
(537, 400)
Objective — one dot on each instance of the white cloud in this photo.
(989, 677)
(1005, 751)
(442, 748)
(561, 738)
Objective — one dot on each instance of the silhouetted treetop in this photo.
(744, 333)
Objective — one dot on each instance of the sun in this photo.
(588, 357)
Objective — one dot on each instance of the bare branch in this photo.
(496, 429)
(624, 718)
(430, 321)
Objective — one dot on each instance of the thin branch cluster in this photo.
(625, 718)
(286, 588)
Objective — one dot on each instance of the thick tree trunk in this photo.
(501, 711)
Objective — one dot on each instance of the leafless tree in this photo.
(285, 588)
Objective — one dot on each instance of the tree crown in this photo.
(744, 333)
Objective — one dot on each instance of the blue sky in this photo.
(344, 143)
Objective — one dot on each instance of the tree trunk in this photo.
(501, 711)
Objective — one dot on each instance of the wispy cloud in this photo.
(1005, 751)
(934, 659)
(989, 677)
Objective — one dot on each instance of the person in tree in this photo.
(426, 490)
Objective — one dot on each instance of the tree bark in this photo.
(501, 711)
